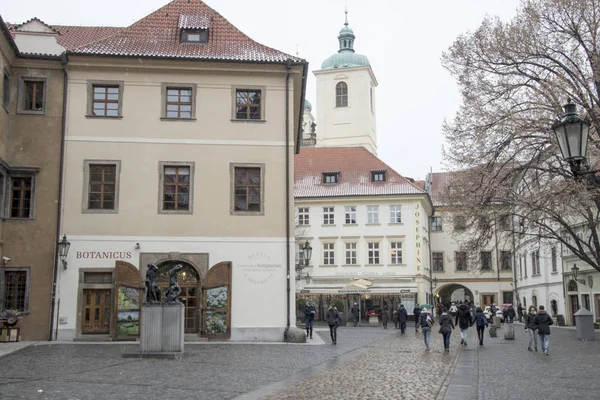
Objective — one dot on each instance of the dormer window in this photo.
(199, 36)
(331, 177)
(378, 176)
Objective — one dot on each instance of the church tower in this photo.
(346, 97)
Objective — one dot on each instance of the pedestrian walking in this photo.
(531, 327)
(446, 327)
(520, 312)
(453, 310)
(402, 317)
(481, 323)
(543, 321)
(333, 318)
(309, 315)
(511, 313)
(417, 314)
(385, 317)
(395, 319)
(426, 321)
(464, 320)
(355, 313)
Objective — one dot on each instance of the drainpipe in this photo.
(288, 67)
(60, 198)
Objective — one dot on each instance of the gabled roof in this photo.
(354, 165)
(20, 26)
(158, 35)
(71, 37)
(440, 183)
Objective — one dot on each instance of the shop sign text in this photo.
(121, 255)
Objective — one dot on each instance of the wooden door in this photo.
(574, 300)
(487, 299)
(96, 311)
(216, 296)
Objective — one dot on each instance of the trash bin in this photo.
(584, 321)
(497, 321)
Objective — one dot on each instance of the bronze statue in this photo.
(152, 289)
(173, 290)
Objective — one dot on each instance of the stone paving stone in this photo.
(508, 371)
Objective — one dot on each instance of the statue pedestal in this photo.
(162, 328)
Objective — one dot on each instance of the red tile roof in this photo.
(355, 165)
(440, 182)
(158, 35)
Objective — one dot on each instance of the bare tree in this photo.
(514, 77)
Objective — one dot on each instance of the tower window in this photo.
(194, 36)
(331, 177)
(341, 95)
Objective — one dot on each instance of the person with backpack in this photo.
(481, 323)
(446, 327)
(543, 321)
(453, 310)
(417, 313)
(426, 321)
(402, 317)
(511, 314)
(464, 320)
(333, 322)
(531, 327)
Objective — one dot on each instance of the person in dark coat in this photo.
(481, 323)
(355, 313)
(520, 312)
(543, 321)
(395, 319)
(426, 321)
(511, 314)
(446, 327)
(309, 314)
(417, 313)
(531, 327)
(333, 318)
(402, 317)
(385, 317)
(464, 320)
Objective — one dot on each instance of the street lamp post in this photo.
(572, 134)
(575, 271)
(306, 254)
(63, 250)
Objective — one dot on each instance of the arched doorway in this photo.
(446, 294)
(189, 281)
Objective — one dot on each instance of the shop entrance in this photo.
(189, 282)
(96, 311)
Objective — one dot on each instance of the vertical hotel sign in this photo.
(418, 230)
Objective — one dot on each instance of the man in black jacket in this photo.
(309, 314)
(464, 320)
(402, 317)
(543, 321)
(417, 313)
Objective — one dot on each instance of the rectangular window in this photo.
(179, 102)
(486, 260)
(350, 253)
(248, 189)
(33, 95)
(461, 260)
(396, 254)
(520, 267)
(504, 222)
(176, 188)
(303, 218)
(535, 262)
(553, 256)
(197, 36)
(525, 264)
(106, 101)
(460, 223)
(372, 214)
(373, 253)
(15, 290)
(248, 104)
(331, 177)
(328, 254)
(438, 261)
(21, 197)
(378, 176)
(395, 214)
(102, 186)
(328, 216)
(6, 89)
(436, 223)
(350, 214)
(505, 260)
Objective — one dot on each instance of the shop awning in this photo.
(359, 286)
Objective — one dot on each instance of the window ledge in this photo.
(397, 265)
(178, 119)
(441, 272)
(327, 225)
(487, 270)
(373, 224)
(327, 266)
(554, 273)
(437, 230)
(461, 270)
(94, 211)
(350, 265)
(350, 224)
(248, 120)
(536, 275)
(104, 116)
(249, 213)
(31, 112)
(8, 219)
(175, 212)
(302, 225)
(396, 223)
(374, 265)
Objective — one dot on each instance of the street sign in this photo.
(304, 291)
(404, 290)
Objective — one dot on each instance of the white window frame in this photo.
(396, 252)
(350, 215)
(436, 224)
(372, 214)
(303, 216)
(351, 253)
(329, 254)
(328, 215)
(373, 253)
(433, 261)
(395, 214)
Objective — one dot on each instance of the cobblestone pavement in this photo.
(398, 368)
(508, 371)
(212, 370)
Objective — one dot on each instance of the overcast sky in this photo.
(403, 40)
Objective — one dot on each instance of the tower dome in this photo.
(307, 105)
(346, 57)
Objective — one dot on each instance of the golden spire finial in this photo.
(346, 12)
